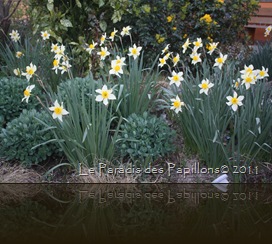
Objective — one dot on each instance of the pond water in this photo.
(133, 213)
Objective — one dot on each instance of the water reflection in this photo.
(134, 213)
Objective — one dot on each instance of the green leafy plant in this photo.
(172, 22)
(34, 51)
(145, 137)
(221, 134)
(137, 86)
(11, 94)
(24, 139)
(86, 134)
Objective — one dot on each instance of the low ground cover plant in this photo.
(24, 139)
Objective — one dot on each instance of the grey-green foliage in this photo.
(87, 134)
(11, 94)
(21, 136)
(145, 136)
(82, 85)
(261, 56)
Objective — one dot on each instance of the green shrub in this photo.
(145, 137)
(11, 94)
(171, 22)
(21, 136)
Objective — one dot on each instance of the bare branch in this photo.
(13, 11)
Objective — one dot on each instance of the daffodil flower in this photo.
(105, 95)
(91, 47)
(176, 78)
(220, 60)
(120, 60)
(249, 79)
(17, 72)
(186, 45)
(176, 60)
(262, 73)
(19, 54)
(197, 44)
(60, 52)
(236, 83)
(134, 51)
(45, 35)
(54, 48)
(30, 70)
(116, 68)
(247, 69)
(27, 93)
(58, 110)
(177, 104)
(102, 39)
(235, 101)
(162, 62)
(14, 35)
(56, 65)
(205, 86)
(112, 35)
(165, 49)
(211, 47)
(125, 31)
(195, 58)
(103, 53)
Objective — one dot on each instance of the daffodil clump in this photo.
(213, 94)
(87, 113)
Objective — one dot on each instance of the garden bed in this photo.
(122, 103)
